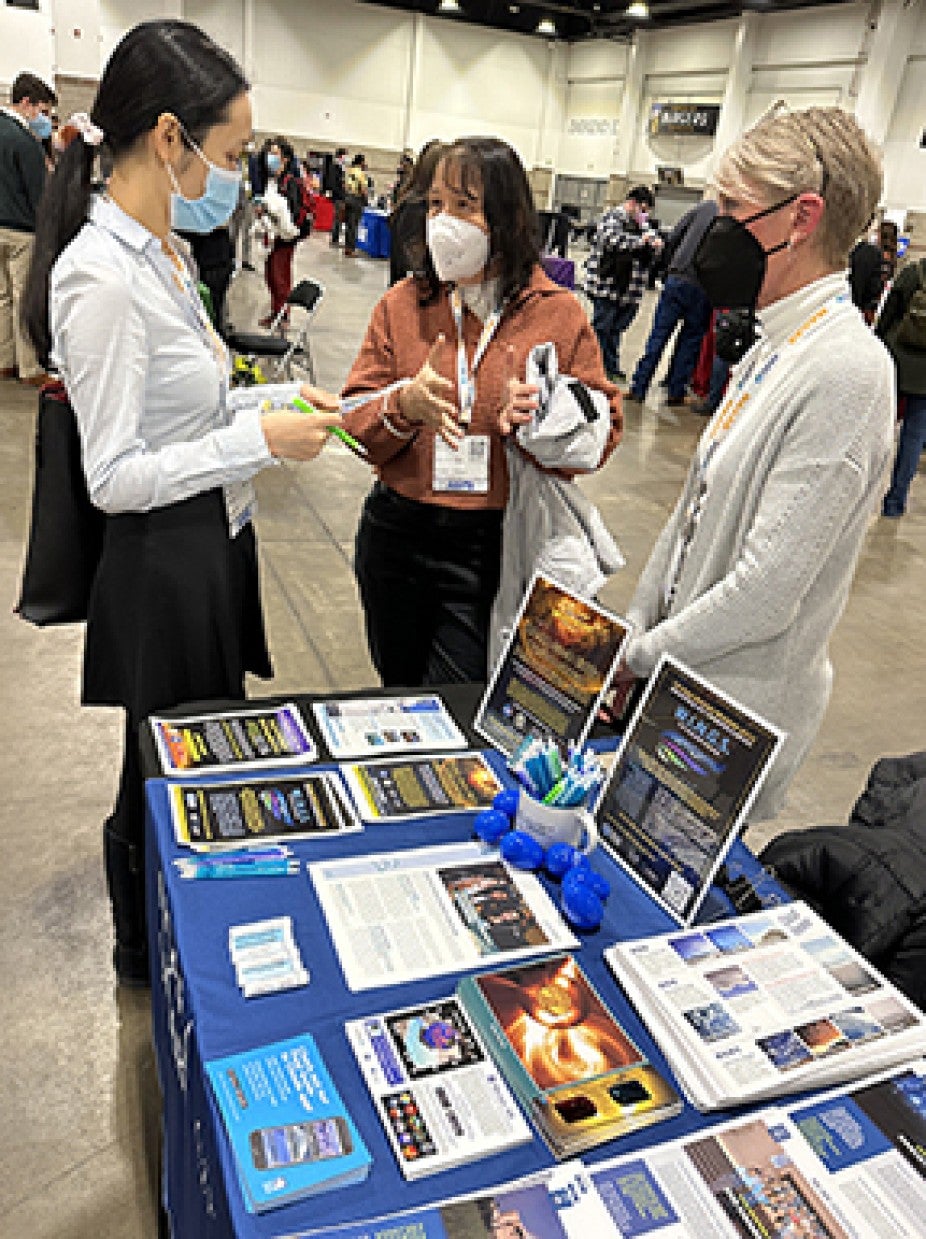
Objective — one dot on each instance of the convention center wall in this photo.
(332, 72)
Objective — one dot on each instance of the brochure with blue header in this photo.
(289, 1129)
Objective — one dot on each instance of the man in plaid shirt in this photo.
(615, 272)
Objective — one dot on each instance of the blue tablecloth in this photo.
(373, 235)
(199, 1015)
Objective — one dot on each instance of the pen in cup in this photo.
(338, 431)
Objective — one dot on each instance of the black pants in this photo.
(428, 576)
(353, 213)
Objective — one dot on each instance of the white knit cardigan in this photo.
(789, 494)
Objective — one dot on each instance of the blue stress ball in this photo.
(560, 859)
(582, 908)
(522, 850)
(491, 824)
(583, 872)
(506, 801)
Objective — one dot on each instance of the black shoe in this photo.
(675, 402)
(247, 266)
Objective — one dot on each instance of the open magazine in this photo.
(847, 1165)
(764, 1005)
(396, 917)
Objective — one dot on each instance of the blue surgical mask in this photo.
(41, 126)
(214, 208)
(274, 163)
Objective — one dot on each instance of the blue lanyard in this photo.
(466, 377)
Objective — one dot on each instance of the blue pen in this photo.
(199, 870)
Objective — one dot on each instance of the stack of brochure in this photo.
(573, 1067)
(440, 1096)
(764, 1005)
(289, 1130)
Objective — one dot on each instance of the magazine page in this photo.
(554, 671)
(765, 1004)
(684, 776)
(528, 1209)
(212, 816)
(402, 916)
(737, 1180)
(233, 741)
(439, 1095)
(405, 787)
(374, 726)
(867, 1146)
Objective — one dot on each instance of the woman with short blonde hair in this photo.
(752, 570)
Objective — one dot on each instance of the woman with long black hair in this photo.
(168, 452)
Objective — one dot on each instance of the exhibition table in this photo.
(199, 1014)
(373, 235)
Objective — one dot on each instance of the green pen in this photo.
(338, 431)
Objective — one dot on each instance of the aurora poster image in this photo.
(689, 767)
(554, 671)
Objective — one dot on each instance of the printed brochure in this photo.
(766, 1004)
(689, 766)
(374, 726)
(289, 1130)
(405, 787)
(554, 671)
(233, 741)
(574, 1068)
(441, 1099)
(212, 816)
(403, 916)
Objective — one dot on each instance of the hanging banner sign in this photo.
(684, 119)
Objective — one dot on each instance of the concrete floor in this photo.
(78, 1132)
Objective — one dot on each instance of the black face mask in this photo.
(729, 264)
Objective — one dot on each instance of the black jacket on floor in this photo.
(868, 879)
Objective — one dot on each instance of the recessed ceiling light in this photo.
(545, 26)
(639, 8)
(449, 6)
(514, 8)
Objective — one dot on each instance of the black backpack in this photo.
(299, 200)
(911, 331)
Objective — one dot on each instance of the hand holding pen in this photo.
(296, 435)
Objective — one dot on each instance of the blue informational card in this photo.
(289, 1129)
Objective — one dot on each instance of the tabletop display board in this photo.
(689, 766)
(554, 670)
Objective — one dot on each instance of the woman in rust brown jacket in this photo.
(429, 544)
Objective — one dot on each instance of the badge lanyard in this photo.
(724, 421)
(466, 378)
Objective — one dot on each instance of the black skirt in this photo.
(175, 612)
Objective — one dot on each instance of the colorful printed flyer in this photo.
(421, 786)
(554, 671)
(215, 815)
(374, 726)
(233, 741)
(688, 768)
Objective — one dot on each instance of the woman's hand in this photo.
(292, 435)
(521, 402)
(428, 399)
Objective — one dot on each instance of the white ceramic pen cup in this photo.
(550, 824)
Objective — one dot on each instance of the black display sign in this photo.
(684, 119)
